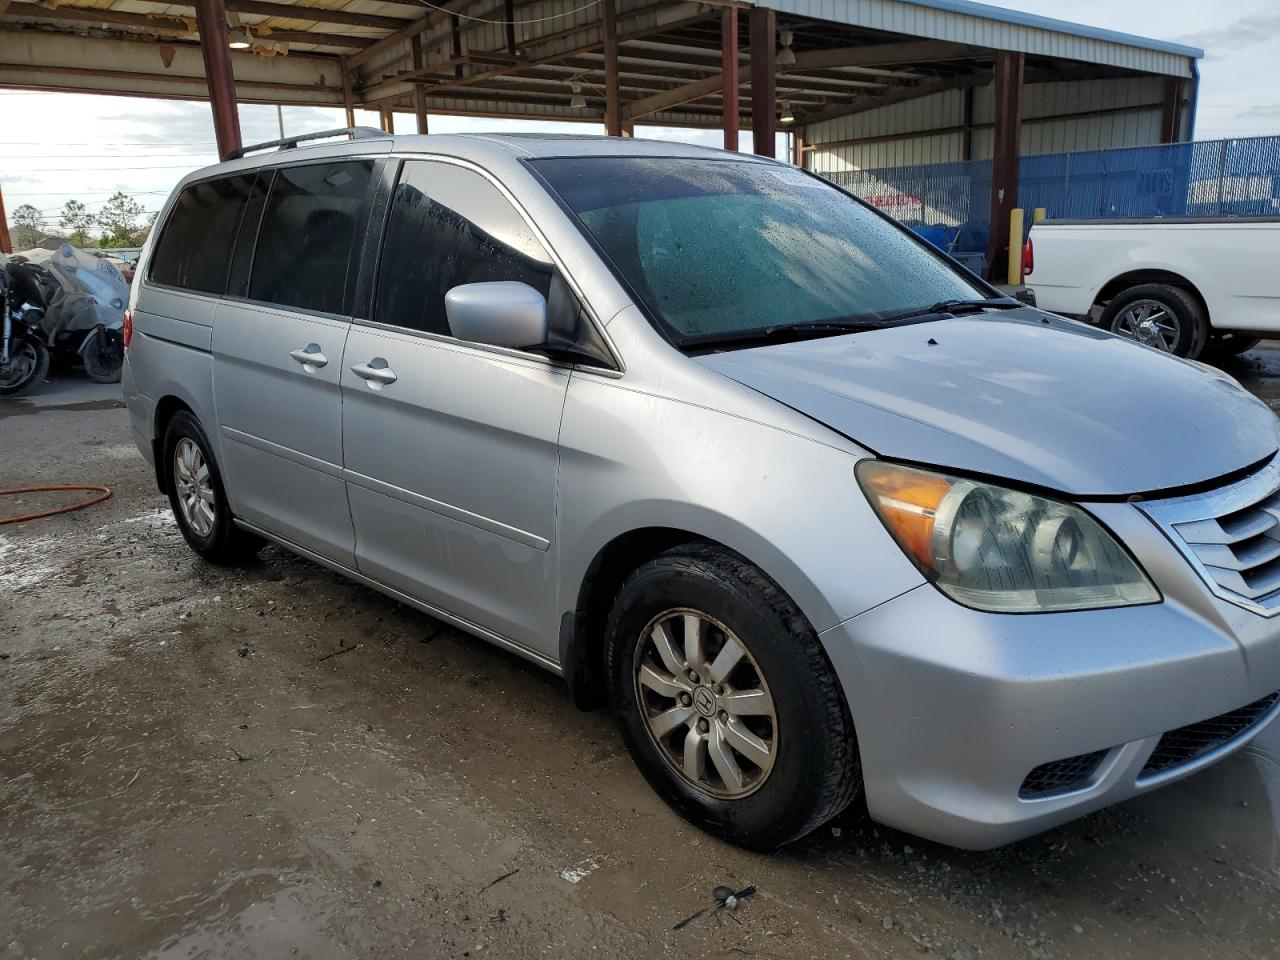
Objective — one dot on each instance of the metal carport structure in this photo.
(854, 81)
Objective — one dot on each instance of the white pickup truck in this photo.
(1185, 286)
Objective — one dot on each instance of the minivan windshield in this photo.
(725, 251)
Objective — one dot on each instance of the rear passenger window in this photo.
(194, 250)
(450, 226)
(307, 244)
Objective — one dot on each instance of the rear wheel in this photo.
(726, 700)
(104, 357)
(1223, 346)
(1161, 316)
(198, 498)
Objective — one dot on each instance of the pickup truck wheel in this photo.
(1161, 316)
(1229, 344)
(726, 699)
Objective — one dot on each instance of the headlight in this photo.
(1002, 550)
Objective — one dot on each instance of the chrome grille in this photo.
(1232, 537)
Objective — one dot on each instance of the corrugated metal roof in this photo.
(963, 21)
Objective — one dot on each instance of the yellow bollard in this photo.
(1038, 214)
(1015, 246)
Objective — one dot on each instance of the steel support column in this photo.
(211, 22)
(387, 118)
(419, 91)
(729, 73)
(613, 105)
(1171, 115)
(6, 242)
(1004, 163)
(764, 96)
(797, 147)
(348, 96)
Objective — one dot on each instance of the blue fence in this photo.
(950, 202)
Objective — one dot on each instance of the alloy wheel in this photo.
(194, 487)
(705, 703)
(1149, 322)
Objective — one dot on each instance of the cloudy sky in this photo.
(59, 145)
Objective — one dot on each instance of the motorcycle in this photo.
(81, 302)
(24, 357)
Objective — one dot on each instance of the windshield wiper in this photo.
(951, 308)
(781, 332)
(973, 306)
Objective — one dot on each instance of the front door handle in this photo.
(310, 356)
(376, 372)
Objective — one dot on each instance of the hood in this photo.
(1019, 395)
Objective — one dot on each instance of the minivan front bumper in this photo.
(954, 708)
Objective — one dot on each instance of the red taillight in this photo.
(127, 333)
(1028, 258)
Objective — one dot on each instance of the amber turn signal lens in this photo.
(907, 501)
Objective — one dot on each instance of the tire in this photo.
(1224, 346)
(104, 357)
(1164, 317)
(27, 367)
(812, 770)
(221, 541)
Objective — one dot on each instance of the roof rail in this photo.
(288, 143)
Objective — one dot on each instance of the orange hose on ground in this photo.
(103, 493)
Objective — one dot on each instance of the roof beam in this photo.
(886, 54)
(533, 54)
(160, 22)
(876, 55)
(263, 8)
(407, 31)
(899, 95)
(317, 14)
(674, 97)
(168, 24)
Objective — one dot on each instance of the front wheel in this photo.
(28, 364)
(1157, 315)
(726, 699)
(104, 356)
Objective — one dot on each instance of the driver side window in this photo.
(450, 226)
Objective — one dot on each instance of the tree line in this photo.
(122, 222)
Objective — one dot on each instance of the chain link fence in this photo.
(950, 203)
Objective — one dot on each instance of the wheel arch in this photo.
(165, 409)
(582, 627)
(1134, 278)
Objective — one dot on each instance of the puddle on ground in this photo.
(290, 923)
(21, 406)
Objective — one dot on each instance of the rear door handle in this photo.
(376, 372)
(310, 356)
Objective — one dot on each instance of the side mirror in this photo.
(502, 313)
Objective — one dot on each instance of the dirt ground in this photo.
(277, 763)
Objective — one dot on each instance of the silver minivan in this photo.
(820, 516)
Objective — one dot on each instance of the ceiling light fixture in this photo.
(786, 116)
(577, 101)
(241, 41)
(786, 56)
